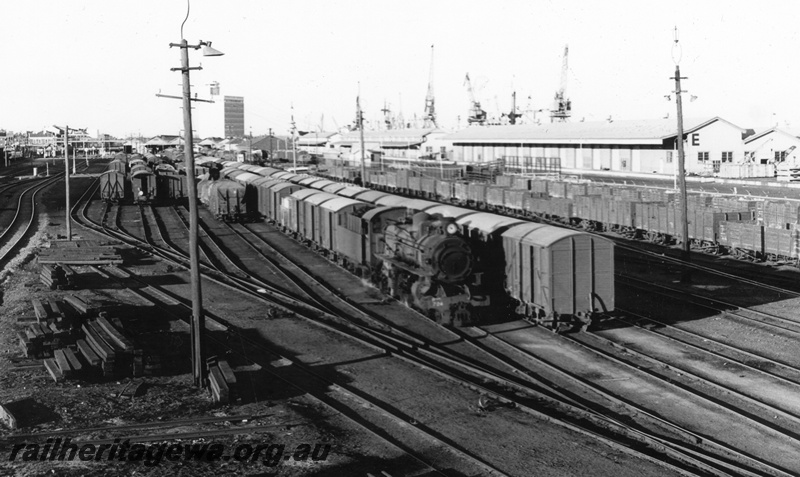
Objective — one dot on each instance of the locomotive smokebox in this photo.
(449, 258)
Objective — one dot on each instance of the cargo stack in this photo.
(58, 277)
(116, 353)
(222, 381)
(40, 340)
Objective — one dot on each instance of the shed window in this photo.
(702, 156)
(727, 156)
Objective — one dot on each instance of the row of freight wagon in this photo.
(141, 179)
(755, 229)
(569, 283)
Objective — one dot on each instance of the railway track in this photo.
(340, 398)
(678, 455)
(25, 214)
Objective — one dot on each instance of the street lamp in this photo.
(197, 299)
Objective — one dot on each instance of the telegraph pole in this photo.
(270, 147)
(66, 179)
(360, 119)
(684, 207)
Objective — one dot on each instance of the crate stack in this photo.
(58, 276)
(50, 332)
(106, 347)
(221, 380)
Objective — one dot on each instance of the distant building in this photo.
(234, 116)
(625, 146)
(773, 145)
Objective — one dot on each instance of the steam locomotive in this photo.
(426, 261)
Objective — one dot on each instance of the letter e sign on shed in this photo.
(696, 139)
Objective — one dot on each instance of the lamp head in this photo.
(208, 51)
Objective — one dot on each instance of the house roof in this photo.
(648, 131)
(767, 132)
(391, 135)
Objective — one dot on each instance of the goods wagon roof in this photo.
(371, 196)
(265, 171)
(248, 177)
(265, 181)
(226, 170)
(350, 191)
(519, 231)
(368, 215)
(303, 193)
(283, 174)
(319, 197)
(203, 160)
(486, 222)
(232, 173)
(396, 200)
(231, 164)
(334, 187)
(249, 167)
(308, 181)
(282, 185)
(547, 237)
(339, 203)
(449, 211)
(141, 172)
(320, 184)
(225, 185)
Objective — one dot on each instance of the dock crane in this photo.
(429, 120)
(562, 106)
(476, 114)
(513, 114)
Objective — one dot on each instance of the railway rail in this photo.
(407, 347)
(25, 215)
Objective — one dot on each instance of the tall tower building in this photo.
(234, 116)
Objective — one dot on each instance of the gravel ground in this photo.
(510, 439)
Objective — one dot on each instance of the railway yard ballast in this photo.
(395, 324)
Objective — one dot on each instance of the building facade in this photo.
(648, 146)
(234, 116)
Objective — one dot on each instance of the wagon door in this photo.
(603, 273)
(562, 276)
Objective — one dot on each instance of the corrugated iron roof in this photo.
(649, 130)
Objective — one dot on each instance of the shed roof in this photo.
(647, 131)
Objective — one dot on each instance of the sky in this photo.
(98, 64)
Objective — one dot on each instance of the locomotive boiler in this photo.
(427, 263)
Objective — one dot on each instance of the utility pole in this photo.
(294, 151)
(198, 320)
(270, 147)
(66, 180)
(686, 255)
(360, 118)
